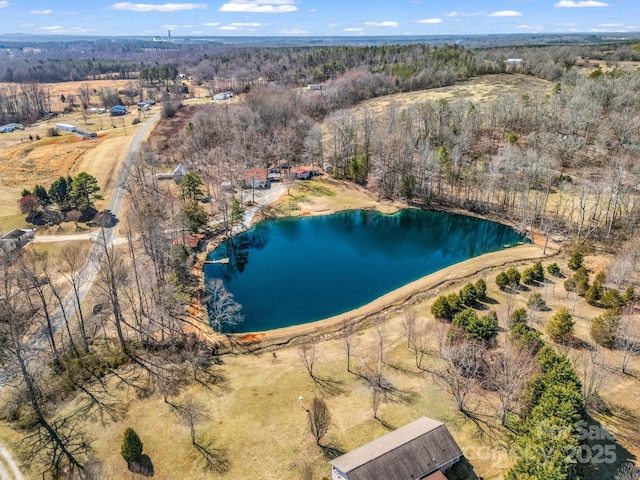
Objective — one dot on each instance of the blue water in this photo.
(296, 270)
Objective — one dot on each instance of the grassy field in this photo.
(255, 421)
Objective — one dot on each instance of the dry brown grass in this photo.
(479, 90)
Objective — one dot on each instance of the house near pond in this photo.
(254, 177)
(304, 172)
(423, 449)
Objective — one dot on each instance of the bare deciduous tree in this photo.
(224, 311)
(319, 418)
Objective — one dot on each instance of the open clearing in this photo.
(478, 91)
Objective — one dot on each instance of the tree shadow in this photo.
(328, 386)
(490, 301)
(331, 452)
(143, 466)
(463, 470)
(599, 451)
(216, 459)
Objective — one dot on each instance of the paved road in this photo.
(8, 468)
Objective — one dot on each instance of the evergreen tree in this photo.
(84, 191)
(131, 449)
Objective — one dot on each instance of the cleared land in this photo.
(478, 91)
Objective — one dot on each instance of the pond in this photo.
(297, 270)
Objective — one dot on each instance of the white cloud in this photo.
(455, 13)
(52, 28)
(430, 20)
(164, 7)
(41, 12)
(258, 6)
(332, 25)
(505, 13)
(313, 10)
(530, 28)
(228, 27)
(352, 29)
(211, 24)
(611, 25)
(293, 31)
(579, 4)
(26, 25)
(381, 24)
(4, 3)
(247, 24)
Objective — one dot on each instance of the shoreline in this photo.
(418, 290)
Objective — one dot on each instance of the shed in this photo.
(223, 96)
(66, 127)
(14, 239)
(10, 127)
(118, 110)
(416, 451)
(304, 172)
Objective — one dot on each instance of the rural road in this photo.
(8, 468)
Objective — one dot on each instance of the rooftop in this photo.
(411, 451)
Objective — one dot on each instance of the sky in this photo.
(317, 17)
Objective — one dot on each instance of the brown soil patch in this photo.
(164, 137)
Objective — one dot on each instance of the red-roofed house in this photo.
(254, 177)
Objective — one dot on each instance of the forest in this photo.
(558, 162)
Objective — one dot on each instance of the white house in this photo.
(14, 239)
(223, 96)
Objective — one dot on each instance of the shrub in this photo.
(53, 132)
(629, 294)
(538, 272)
(575, 262)
(455, 305)
(570, 285)
(481, 290)
(528, 276)
(468, 294)
(517, 317)
(604, 328)
(441, 309)
(135, 121)
(601, 279)
(526, 338)
(593, 294)
(612, 298)
(483, 328)
(464, 318)
(560, 326)
(131, 449)
(536, 302)
(554, 270)
(502, 281)
(513, 275)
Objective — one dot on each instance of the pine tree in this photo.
(131, 449)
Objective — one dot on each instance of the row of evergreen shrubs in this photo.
(445, 307)
(467, 324)
(529, 276)
(553, 405)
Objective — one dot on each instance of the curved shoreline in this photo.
(430, 283)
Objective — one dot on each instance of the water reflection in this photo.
(296, 270)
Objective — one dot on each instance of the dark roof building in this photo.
(416, 451)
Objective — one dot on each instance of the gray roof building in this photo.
(414, 451)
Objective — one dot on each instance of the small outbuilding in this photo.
(423, 449)
(14, 239)
(118, 110)
(223, 96)
(66, 127)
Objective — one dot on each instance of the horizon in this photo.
(318, 18)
